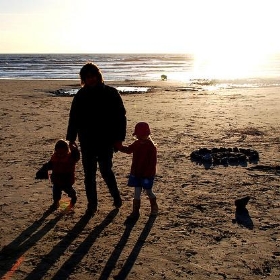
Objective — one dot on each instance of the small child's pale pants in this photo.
(138, 190)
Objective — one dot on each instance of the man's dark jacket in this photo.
(97, 116)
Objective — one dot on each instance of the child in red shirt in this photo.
(143, 167)
(62, 164)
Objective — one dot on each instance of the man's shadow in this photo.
(242, 216)
(69, 266)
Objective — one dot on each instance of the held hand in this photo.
(73, 145)
(117, 146)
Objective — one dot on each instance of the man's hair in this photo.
(90, 69)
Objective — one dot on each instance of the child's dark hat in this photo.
(142, 129)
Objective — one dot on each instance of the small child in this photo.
(62, 164)
(143, 167)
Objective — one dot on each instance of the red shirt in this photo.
(144, 158)
(63, 168)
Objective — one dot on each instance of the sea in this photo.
(193, 71)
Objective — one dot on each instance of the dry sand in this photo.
(195, 235)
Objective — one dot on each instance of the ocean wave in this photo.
(130, 67)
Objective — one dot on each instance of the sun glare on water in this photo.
(231, 65)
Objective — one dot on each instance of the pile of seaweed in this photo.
(225, 156)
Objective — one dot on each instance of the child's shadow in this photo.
(28, 238)
(242, 216)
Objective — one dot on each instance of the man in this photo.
(98, 117)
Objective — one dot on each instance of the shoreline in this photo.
(166, 84)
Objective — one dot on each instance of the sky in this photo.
(204, 27)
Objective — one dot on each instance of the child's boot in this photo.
(154, 206)
(55, 205)
(73, 201)
(135, 210)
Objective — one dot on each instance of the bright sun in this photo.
(226, 66)
(230, 61)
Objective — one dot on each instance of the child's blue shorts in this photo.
(145, 183)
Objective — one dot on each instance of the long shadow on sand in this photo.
(68, 267)
(132, 256)
(110, 265)
(28, 238)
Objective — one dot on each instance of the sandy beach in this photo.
(198, 233)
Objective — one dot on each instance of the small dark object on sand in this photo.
(242, 202)
(242, 216)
